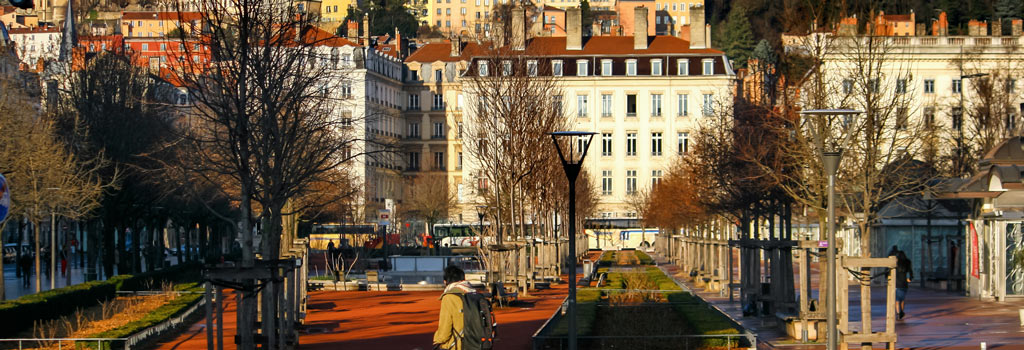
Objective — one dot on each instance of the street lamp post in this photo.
(572, 164)
(830, 160)
(960, 153)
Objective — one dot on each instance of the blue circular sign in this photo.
(5, 198)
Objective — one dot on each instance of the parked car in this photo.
(11, 251)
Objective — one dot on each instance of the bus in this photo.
(456, 235)
(618, 238)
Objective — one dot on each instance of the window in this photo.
(709, 105)
(414, 130)
(683, 142)
(581, 68)
(448, 11)
(630, 181)
(682, 105)
(631, 105)
(847, 86)
(655, 143)
(531, 68)
(461, 128)
(929, 86)
(459, 165)
(439, 160)
(506, 68)
(346, 89)
(438, 132)
(556, 102)
(682, 66)
(1011, 85)
(630, 67)
(957, 87)
(902, 117)
(631, 144)
(709, 67)
(655, 178)
(1011, 121)
(463, 11)
(655, 67)
(656, 105)
(145, 47)
(606, 144)
(438, 75)
(414, 101)
(606, 105)
(874, 85)
(901, 86)
(581, 106)
(928, 117)
(958, 118)
(163, 47)
(483, 68)
(414, 160)
(606, 67)
(438, 102)
(556, 68)
(606, 182)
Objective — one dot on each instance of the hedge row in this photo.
(644, 258)
(172, 308)
(704, 319)
(607, 259)
(20, 314)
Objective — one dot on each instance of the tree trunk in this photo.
(39, 282)
(136, 258)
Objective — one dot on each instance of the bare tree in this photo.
(431, 198)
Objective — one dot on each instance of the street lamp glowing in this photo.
(572, 162)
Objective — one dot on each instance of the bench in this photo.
(372, 279)
(503, 296)
(312, 287)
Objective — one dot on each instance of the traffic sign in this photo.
(384, 217)
(5, 198)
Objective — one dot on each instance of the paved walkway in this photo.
(387, 320)
(934, 320)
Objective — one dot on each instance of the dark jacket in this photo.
(904, 268)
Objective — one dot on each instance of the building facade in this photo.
(643, 95)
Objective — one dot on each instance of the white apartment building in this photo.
(644, 96)
(36, 43)
(370, 95)
(928, 71)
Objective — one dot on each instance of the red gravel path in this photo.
(388, 320)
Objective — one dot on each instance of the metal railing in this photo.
(35, 343)
(651, 342)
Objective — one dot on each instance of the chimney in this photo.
(977, 28)
(697, 38)
(1016, 27)
(595, 29)
(518, 39)
(574, 29)
(366, 31)
(684, 32)
(456, 50)
(398, 42)
(353, 31)
(997, 27)
(640, 28)
(920, 30)
(943, 24)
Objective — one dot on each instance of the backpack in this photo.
(480, 326)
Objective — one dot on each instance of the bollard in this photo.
(982, 345)
(1021, 311)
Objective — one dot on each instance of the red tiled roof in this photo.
(315, 36)
(163, 16)
(34, 30)
(897, 18)
(388, 50)
(550, 8)
(555, 46)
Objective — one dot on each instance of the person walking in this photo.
(26, 270)
(451, 323)
(904, 273)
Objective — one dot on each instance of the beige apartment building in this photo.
(644, 95)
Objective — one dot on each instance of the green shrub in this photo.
(20, 314)
(703, 319)
(607, 259)
(172, 308)
(644, 258)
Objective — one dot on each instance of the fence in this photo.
(651, 342)
(35, 343)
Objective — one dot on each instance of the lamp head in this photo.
(572, 145)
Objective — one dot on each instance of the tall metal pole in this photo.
(571, 172)
(831, 162)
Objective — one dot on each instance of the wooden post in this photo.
(220, 318)
(208, 294)
(890, 307)
(804, 307)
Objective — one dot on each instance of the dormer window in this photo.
(506, 68)
(582, 68)
(531, 68)
(631, 67)
(483, 68)
(656, 67)
(556, 68)
(682, 66)
(708, 66)
(606, 67)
